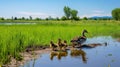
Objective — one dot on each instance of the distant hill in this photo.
(101, 17)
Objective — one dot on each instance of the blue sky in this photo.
(54, 8)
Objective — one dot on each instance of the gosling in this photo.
(62, 46)
(53, 45)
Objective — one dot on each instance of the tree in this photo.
(63, 18)
(67, 12)
(70, 14)
(15, 18)
(30, 17)
(57, 18)
(74, 14)
(2, 18)
(12, 18)
(23, 18)
(50, 18)
(116, 14)
(77, 18)
(37, 18)
(85, 18)
(46, 19)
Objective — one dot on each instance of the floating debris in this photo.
(112, 60)
(109, 54)
(109, 65)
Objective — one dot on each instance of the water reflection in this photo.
(58, 54)
(79, 52)
(73, 53)
(33, 65)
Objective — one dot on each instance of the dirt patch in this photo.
(27, 56)
(35, 47)
(118, 39)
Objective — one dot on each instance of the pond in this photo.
(16, 23)
(100, 56)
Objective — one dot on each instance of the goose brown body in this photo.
(79, 40)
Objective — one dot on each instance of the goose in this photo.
(79, 40)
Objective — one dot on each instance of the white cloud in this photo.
(98, 11)
(95, 14)
(36, 14)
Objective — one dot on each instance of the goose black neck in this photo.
(83, 34)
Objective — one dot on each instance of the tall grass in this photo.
(14, 38)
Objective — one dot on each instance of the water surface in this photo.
(17, 23)
(100, 56)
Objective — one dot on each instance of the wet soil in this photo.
(31, 52)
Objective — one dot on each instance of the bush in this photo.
(116, 14)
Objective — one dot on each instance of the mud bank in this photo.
(27, 56)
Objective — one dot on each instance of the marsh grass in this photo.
(14, 38)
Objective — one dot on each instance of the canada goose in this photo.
(79, 40)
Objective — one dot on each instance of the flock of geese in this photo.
(77, 41)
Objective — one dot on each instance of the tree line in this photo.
(70, 14)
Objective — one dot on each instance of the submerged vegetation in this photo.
(15, 38)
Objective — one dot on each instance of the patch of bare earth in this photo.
(118, 39)
(27, 56)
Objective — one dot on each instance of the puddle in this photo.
(16, 23)
(101, 56)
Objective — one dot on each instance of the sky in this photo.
(54, 8)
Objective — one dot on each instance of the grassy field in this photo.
(14, 38)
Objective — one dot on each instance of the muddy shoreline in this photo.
(118, 39)
(30, 53)
(27, 56)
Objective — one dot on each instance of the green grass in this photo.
(14, 38)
